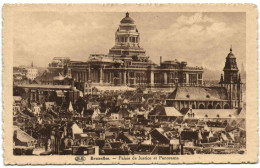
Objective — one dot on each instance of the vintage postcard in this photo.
(130, 83)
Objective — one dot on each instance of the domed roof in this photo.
(127, 19)
(231, 55)
(230, 64)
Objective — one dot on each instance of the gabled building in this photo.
(115, 148)
(24, 144)
(161, 113)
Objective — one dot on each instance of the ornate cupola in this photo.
(127, 19)
(230, 69)
(127, 39)
(232, 81)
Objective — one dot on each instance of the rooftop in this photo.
(45, 86)
(199, 93)
(127, 19)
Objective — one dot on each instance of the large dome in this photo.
(127, 19)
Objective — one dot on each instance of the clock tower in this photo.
(232, 81)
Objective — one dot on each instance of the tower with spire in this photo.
(232, 81)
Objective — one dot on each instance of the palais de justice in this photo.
(127, 64)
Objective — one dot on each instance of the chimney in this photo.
(102, 136)
(96, 150)
(160, 60)
(15, 134)
(171, 148)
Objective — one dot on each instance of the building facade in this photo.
(232, 81)
(228, 95)
(127, 64)
(31, 73)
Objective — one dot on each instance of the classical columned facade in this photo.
(110, 75)
(127, 64)
(80, 75)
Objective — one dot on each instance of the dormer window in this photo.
(188, 96)
(208, 96)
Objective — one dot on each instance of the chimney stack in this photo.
(160, 60)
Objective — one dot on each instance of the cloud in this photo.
(192, 38)
(201, 39)
(197, 18)
(39, 41)
(191, 29)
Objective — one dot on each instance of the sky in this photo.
(201, 39)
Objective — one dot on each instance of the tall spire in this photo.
(71, 107)
(82, 112)
(231, 48)
(127, 14)
(221, 78)
(239, 78)
(32, 64)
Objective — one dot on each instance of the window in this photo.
(210, 106)
(184, 78)
(132, 74)
(171, 78)
(226, 106)
(218, 107)
(200, 76)
(193, 106)
(201, 106)
(192, 78)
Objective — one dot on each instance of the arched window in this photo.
(218, 106)
(226, 106)
(70, 142)
(193, 106)
(201, 106)
(210, 106)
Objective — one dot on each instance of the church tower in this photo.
(232, 81)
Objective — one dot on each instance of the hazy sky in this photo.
(201, 39)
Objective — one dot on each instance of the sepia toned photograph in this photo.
(129, 86)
